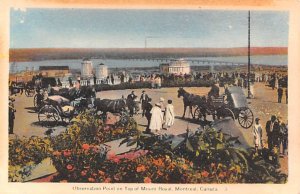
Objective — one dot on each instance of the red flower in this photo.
(222, 175)
(204, 173)
(116, 160)
(110, 155)
(147, 180)
(85, 146)
(67, 153)
(69, 167)
(107, 180)
(83, 173)
(91, 179)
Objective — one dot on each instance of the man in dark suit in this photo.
(144, 100)
(130, 103)
(214, 91)
(148, 108)
(280, 92)
(273, 130)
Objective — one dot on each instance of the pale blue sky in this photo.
(100, 28)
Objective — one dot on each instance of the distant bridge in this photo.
(194, 61)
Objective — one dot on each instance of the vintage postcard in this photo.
(168, 100)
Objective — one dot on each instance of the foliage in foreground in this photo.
(25, 153)
(208, 156)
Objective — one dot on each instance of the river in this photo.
(121, 63)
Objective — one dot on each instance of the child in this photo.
(257, 133)
(170, 116)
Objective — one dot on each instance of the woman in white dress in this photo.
(170, 115)
(156, 118)
(257, 133)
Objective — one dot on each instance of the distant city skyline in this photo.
(114, 28)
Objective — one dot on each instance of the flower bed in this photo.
(208, 156)
(85, 133)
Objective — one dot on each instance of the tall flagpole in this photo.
(249, 54)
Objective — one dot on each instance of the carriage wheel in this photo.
(197, 114)
(246, 118)
(48, 116)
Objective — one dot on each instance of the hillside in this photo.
(37, 54)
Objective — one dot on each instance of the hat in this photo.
(257, 119)
(161, 99)
(157, 104)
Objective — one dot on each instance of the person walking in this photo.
(152, 80)
(130, 103)
(162, 105)
(112, 79)
(279, 93)
(158, 82)
(269, 130)
(70, 82)
(156, 118)
(59, 82)
(95, 79)
(50, 90)
(148, 108)
(286, 95)
(284, 138)
(169, 114)
(144, 99)
(11, 115)
(276, 133)
(257, 134)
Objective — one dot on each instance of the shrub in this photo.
(208, 156)
(86, 132)
(24, 154)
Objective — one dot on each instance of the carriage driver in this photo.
(213, 93)
(75, 94)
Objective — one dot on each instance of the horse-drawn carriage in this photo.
(63, 106)
(232, 103)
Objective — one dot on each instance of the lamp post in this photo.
(249, 92)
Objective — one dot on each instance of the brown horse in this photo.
(190, 100)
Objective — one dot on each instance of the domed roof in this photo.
(179, 63)
(86, 59)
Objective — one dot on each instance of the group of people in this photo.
(280, 94)
(277, 135)
(157, 115)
